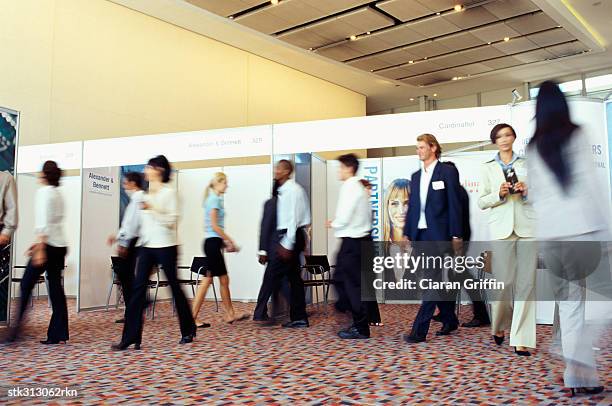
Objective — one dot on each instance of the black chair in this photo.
(41, 279)
(115, 264)
(198, 268)
(320, 271)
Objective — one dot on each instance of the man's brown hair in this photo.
(432, 141)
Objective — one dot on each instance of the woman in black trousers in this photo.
(159, 217)
(47, 254)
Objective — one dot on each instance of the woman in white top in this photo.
(47, 254)
(159, 217)
(572, 221)
(504, 193)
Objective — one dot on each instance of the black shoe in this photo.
(412, 339)
(297, 324)
(203, 325)
(187, 339)
(447, 329)
(475, 323)
(589, 391)
(52, 342)
(124, 346)
(119, 321)
(498, 340)
(522, 353)
(437, 318)
(353, 334)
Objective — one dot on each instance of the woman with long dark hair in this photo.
(159, 217)
(570, 220)
(47, 254)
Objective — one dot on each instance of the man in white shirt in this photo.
(353, 224)
(292, 216)
(127, 238)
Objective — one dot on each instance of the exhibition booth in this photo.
(92, 187)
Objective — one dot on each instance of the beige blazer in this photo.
(508, 215)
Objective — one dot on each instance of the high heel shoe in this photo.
(124, 346)
(187, 339)
(522, 353)
(52, 342)
(589, 391)
(498, 340)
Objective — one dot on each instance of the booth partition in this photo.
(247, 154)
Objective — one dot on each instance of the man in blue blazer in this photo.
(434, 217)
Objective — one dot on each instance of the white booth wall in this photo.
(27, 185)
(249, 186)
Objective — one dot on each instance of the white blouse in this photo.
(49, 215)
(159, 222)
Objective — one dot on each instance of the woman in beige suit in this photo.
(504, 192)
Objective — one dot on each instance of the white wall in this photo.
(27, 185)
(249, 187)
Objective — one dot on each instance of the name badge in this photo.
(437, 185)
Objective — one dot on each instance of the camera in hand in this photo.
(512, 179)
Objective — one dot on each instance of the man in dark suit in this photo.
(434, 225)
(266, 240)
(480, 315)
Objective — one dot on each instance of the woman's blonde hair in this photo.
(217, 178)
(398, 189)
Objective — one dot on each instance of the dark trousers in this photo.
(348, 268)
(433, 298)
(147, 259)
(58, 325)
(276, 270)
(125, 272)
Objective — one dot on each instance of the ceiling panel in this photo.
(460, 41)
(471, 17)
(507, 9)
(289, 14)
(494, 32)
(501, 63)
(473, 69)
(567, 49)
(515, 45)
(226, 8)
(532, 23)
(534, 56)
(428, 49)
(337, 29)
(551, 37)
(434, 27)
(404, 10)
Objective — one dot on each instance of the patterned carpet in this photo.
(249, 364)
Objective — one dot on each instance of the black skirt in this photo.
(213, 249)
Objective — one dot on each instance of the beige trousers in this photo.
(514, 263)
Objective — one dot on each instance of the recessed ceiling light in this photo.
(411, 62)
(353, 37)
(425, 58)
(455, 78)
(438, 13)
(274, 2)
(231, 17)
(506, 39)
(368, 33)
(435, 94)
(489, 43)
(412, 99)
(310, 49)
(458, 7)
